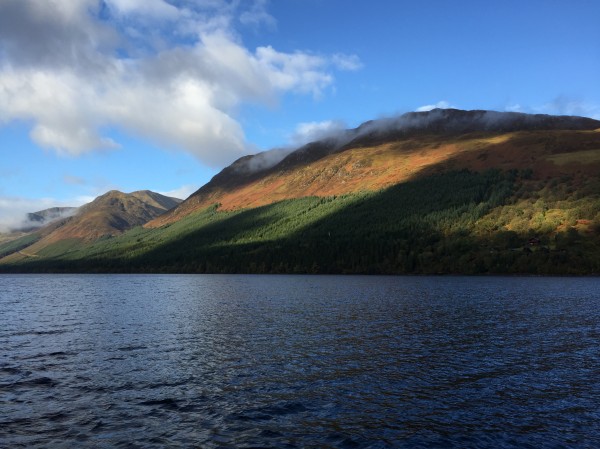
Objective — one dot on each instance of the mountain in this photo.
(42, 217)
(382, 153)
(34, 221)
(444, 191)
(108, 215)
(47, 215)
(113, 213)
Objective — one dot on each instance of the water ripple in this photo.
(299, 362)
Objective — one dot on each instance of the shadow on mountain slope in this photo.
(428, 225)
(423, 226)
(385, 232)
(378, 160)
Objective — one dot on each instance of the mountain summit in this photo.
(114, 212)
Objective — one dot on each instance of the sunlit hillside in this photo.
(521, 195)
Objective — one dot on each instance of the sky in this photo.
(162, 94)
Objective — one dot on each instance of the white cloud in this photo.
(301, 72)
(312, 131)
(262, 161)
(62, 106)
(565, 105)
(154, 8)
(561, 105)
(515, 107)
(75, 68)
(257, 15)
(439, 105)
(303, 134)
(347, 62)
(181, 192)
(56, 34)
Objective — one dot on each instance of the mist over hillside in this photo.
(436, 121)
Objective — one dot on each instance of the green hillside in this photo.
(443, 191)
(14, 246)
(455, 222)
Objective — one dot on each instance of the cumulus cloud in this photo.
(439, 105)
(53, 34)
(74, 69)
(61, 106)
(299, 71)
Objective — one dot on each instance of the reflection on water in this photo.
(298, 361)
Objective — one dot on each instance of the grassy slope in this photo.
(14, 246)
(381, 165)
(456, 222)
(402, 206)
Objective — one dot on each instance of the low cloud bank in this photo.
(16, 214)
(44, 217)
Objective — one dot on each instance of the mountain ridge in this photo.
(499, 194)
(401, 139)
(107, 215)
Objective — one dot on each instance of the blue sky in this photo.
(162, 94)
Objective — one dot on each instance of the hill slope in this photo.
(383, 153)
(108, 215)
(440, 192)
(112, 213)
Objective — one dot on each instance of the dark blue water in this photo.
(298, 362)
